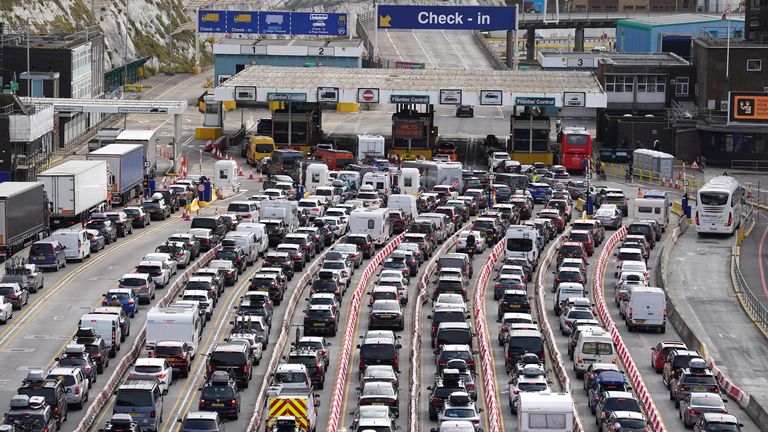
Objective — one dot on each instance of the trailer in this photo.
(75, 189)
(23, 215)
(147, 139)
(125, 168)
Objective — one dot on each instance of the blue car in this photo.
(123, 297)
(541, 192)
(503, 192)
(47, 255)
(605, 381)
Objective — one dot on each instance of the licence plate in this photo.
(378, 403)
(700, 389)
(319, 324)
(134, 414)
(385, 316)
(41, 258)
(640, 321)
(217, 404)
(515, 306)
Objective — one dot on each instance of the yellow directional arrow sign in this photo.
(384, 21)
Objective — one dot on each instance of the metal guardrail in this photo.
(752, 165)
(757, 310)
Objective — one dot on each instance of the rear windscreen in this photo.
(377, 351)
(530, 344)
(204, 223)
(223, 358)
(134, 398)
(239, 208)
(41, 249)
(167, 350)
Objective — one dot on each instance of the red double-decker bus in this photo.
(575, 146)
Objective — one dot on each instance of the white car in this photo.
(340, 268)
(572, 314)
(395, 274)
(441, 157)
(632, 266)
(315, 208)
(257, 347)
(164, 258)
(206, 303)
(154, 367)
(497, 158)
(461, 242)
(338, 226)
(449, 300)
(159, 272)
(275, 194)
(6, 310)
(397, 283)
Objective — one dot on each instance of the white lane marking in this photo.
(434, 65)
(393, 45)
(455, 49)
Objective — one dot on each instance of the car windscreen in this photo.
(448, 316)
(97, 224)
(533, 387)
(167, 350)
(568, 250)
(700, 380)
(239, 208)
(375, 351)
(199, 222)
(451, 263)
(148, 369)
(134, 398)
(713, 198)
(133, 282)
(227, 358)
(621, 404)
(597, 348)
(579, 237)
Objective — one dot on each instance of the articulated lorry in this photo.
(23, 215)
(125, 167)
(75, 189)
(147, 139)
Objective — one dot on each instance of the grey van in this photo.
(142, 399)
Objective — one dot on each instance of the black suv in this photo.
(220, 394)
(314, 363)
(439, 393)
(327, 281)
(122, 221)
(234, 254)
(157, 209)
(281, 260)
(216, 224)
(320, 319)
(104, 226)
(53, 391)
(95, 346)
(270, 283)
(233, 358)
(171, 197)
(364, 241)
(276, 231)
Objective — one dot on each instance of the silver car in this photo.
(75, 384)
(693, 406)
(609, 215)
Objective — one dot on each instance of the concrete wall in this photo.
(227, 64)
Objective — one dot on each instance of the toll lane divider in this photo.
(348, 340)
(484, 345)
(638, 384)
(101, 400)
(282, 341)
(549, 337)
(421, 299)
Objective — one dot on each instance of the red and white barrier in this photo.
(282, 341)
(422, 297)
(348, 341)
(484, 345)
(101, 400)
(638, 384)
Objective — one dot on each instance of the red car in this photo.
(555, 216)
(398, 220)
(585, 238)
(571, 250)
(178, 354)
(660, 351)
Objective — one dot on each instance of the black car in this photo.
(438, 394)
(35, 384)
(220, 394)
(316, 234)
(95, 346)
(233, 358)
(465, 111)
(327, 282)
(105, 227)
(171, 197)
(139, 218)
(269, 283)
(364, 241)
(122, 221)
(281, 260)
(157, 209)
(264, 127)
(234, 254)
(320, 319)
(276, 231)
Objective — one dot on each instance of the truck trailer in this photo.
(125, 167)
(147, 139)
(75, 189)
(23, 215)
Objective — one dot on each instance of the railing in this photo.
(757, 311)
(753, 165)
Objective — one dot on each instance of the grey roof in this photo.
(645, 59)
(673, 19)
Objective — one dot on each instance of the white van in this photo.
(656, 209)
(404, 202)
(247, 242)
(372, 222)
(545, 412)
(329, 193)
(76, 243)
(316, 176)
(595, 346)
(409, 181)
(247, 210)
(647, 308)
(258, 229)
(106, 326)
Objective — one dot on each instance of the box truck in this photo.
(369, 146)
(75, 189)
(125, 168)
(147, 139)
(23, 215)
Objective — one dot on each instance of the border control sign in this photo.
(534, 101)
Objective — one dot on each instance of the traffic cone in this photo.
(261, 177)
(239, 172)
(250, 176)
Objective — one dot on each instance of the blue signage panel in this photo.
(211, 21)
(242, 22)
(312, 23)
(447, 17)
(275, 22)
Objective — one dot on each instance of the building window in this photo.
(619, 83)
(681, 86)
(754, 65)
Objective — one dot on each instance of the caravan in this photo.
(372, 222)
(381, 182)
(654, 208)
(545, 412)
(316, 176)
(173, 324)
(409, 181)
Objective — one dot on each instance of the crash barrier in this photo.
(101, 400)
(421, 299)
(750, 301)
(546, 330)
(630, 367)
(285, 334)
(484, 345)
(348, 340)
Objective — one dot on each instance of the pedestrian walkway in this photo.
(700, 281)
(754, 259)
